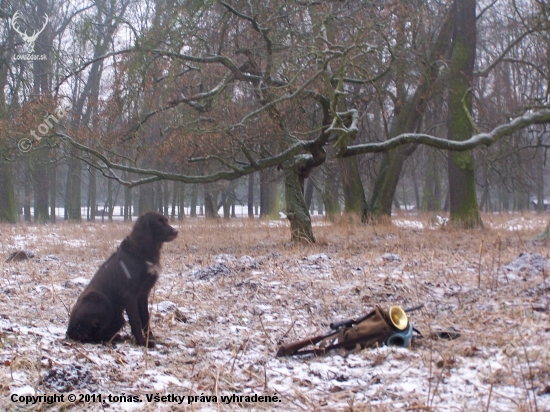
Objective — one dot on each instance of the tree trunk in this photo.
(181, 201)
(268, 194)
(194, 196)
(145, 198)
(74, 186)
(431, 199)
(503, 198)
(251, 195)
(330, 193)
(416, 191)
(41, 186)
(319, 202)
(388, 178)
(110, 203)
(462, 185)
(309, 193)
(354, 194)
(226, 204)
(210, 203)
(175, 199)
(408, 118)
(28, 193)
(8, 208)
(159, 198)
(540, 181)
(92, 194)
(166, 198)
(296, 208)
(127, 204)
(53, 190)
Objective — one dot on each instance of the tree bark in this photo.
(540, 181)
(145, 199)
(92, 194)
(354, 194)
(268, 193)
(210, 204)
(175, 199)
(110, 203)
(28, 193)
(462, 185)
(8, 208)
(74, 195)
(194, 196)
(166, 198)
(319, 202)
(309, 193)
(296, 208)
(53, 190)
(431, 199)
(251, 195)
(159, 198)
(127, 204)
(330, 194)
(41, 185)
(181, 200)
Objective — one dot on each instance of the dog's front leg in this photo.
(143, 309)
(135, 322)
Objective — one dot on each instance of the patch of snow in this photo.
(213, 271)
(249, 262)
(224, 258)
(165, 306)
(318, 256)
(527, 264)
(408, 224)
(24, 390)
(391, 257)
(50, 258)
(80, 281)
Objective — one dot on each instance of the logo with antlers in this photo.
(29, 40)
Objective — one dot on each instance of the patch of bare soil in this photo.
(232, 292)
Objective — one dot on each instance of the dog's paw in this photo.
(149, 343)
(151, 336)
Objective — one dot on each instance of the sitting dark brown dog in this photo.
(123, 282)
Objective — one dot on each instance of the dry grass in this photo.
(221, 333)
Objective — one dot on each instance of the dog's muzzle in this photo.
(172, 235)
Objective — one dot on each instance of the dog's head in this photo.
(154, 226)
(86, 329)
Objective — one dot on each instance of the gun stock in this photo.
(289, 348)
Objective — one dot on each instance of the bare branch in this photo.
(107, 167)
(262, 30)
(224, 60)
(485, 139)
(485, 72)
(88, 63)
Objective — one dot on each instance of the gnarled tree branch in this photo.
(485, 139)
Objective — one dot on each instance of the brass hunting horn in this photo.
(398, 317)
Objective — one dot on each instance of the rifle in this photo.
(291, 348)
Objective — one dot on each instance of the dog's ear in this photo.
(141, 232)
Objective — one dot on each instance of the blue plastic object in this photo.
(401, 338)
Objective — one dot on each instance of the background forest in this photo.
(188, 106)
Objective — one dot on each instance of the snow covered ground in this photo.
(231, 293)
